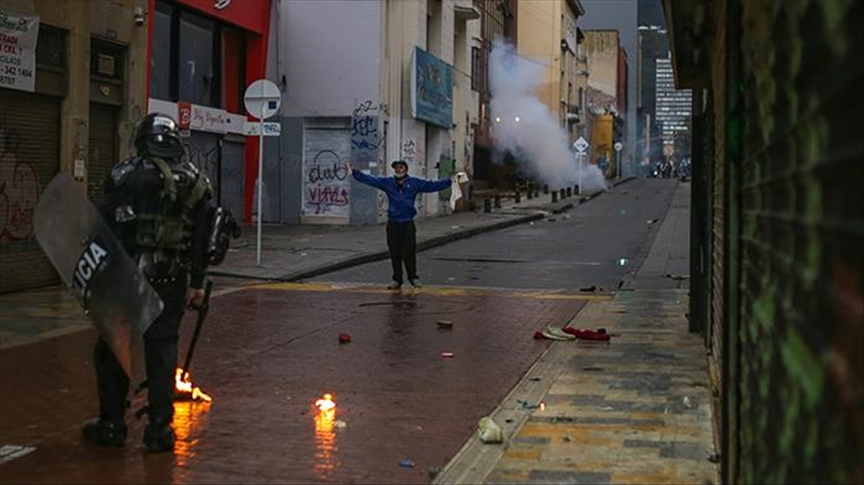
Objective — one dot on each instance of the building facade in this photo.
(203, 54)
(371, 82)
(548, 33)
(77, 91)
(673, 106)
(606, 96)
(777, 230)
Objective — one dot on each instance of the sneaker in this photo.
(555, 333)
(416, 283)
(105, 433)
(159, 437)
(394, 285)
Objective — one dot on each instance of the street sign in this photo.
(262, 99)
(618, 146)
(271, 128)
(581, 145)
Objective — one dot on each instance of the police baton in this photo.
(202, 314)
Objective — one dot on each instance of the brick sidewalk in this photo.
(265, 366)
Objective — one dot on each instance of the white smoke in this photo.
(523, 125)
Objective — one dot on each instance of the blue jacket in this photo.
(400, 199)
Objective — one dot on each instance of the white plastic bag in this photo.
(455, 189)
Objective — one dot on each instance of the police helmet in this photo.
(158, 135)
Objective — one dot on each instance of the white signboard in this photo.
(271, 128)
(18, 35)
(262, 99)
(208, 119)
(581, 145)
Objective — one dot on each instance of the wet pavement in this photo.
(613, 413)
(265, 355)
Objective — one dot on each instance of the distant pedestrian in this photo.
(401, 190)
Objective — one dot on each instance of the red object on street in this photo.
(344, 338)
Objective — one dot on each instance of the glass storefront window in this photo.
(197, 82)
(161, 67)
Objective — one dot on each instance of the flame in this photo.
(325, 437)
(183, 384)
(325, 403)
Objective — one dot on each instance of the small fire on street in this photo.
(184, 390)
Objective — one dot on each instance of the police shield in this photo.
(90, 260)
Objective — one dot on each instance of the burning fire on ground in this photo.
(183, 388)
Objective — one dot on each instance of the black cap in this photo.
(399, 162)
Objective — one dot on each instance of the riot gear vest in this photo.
(155, 209)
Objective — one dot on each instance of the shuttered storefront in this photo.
(29, 159)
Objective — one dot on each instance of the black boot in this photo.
(159, 436)
(104, 432)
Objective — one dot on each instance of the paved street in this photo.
(408, 391)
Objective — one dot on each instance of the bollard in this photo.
(569, 191)
(554, 196)
(517, 197)
(529, 191)
(487, 205)
(545, 188)
(562, 194)
(497, 201)
(576, 190)
(536, 192)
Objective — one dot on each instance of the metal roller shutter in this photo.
(29, 159)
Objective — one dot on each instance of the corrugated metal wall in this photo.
(802, 233)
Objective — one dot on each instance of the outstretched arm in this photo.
(434, 185)
(365, 179)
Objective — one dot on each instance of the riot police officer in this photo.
(159, 207)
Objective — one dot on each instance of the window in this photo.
(51, 46)
(161, 64)
(196, 59)
(476, 67)
(106, 60)
(196, 66)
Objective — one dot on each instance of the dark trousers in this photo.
(160, 356)
(402, 243)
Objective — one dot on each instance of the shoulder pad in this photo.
(123, 169)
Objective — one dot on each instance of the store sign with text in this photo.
(18, 36)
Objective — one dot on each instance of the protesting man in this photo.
(401, 190)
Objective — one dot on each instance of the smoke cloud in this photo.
(525, 127)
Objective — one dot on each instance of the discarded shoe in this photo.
(159, 437)
(489, 431)
(555, 333)
(105, 433)
(394, 285)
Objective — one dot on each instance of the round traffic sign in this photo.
(618, 146)
(262, 99)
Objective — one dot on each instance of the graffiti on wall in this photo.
(203, 152)
(365, 142)
(326, 185)
(326, 188)
(19, 190)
